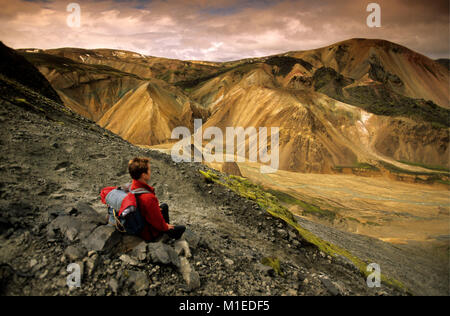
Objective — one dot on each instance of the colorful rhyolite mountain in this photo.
(355, 103)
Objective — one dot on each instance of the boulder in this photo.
(162, 253)
(192, 238)
(102, 239)
(75, 225)
(182, 248)
(140, 251)
(129, 242)
(74, 253)
(331, 287)
(190, 276)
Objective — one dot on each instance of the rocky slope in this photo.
(53, 164)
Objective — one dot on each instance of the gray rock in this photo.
(128, 260)
(88, 215)
(33, 262)
(71, 211)
(292, 235)
(74, 253)
(282, 233)
(137, 279)
(346, 262)
(331, 287)
(71, 234)
(72, 227)
(114, 285)
(182, 248)
(229, 262)
(162, 253)
(102, 239)
(91, 263)
(292, 292)
(43, 274)
(191, 238)
(140, 251)
(189, 274)
(264, 270)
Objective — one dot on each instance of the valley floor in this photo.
(403, 227)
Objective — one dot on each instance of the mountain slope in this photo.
(152, 113)
(377, 61)
(19, 69)
(143, 111)
(90, 90)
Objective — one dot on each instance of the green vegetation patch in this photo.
(308, 208)
(379, 99)
(358, 165)
(274, 263)
(431, 167)
(395, 169)
(21, 100)
(272, 205)
(382, 101)
(330, 82)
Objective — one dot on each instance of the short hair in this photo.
(138, 166)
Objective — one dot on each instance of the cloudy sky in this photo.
(222, 30)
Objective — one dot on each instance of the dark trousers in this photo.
(178, 230)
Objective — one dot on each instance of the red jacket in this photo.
(149, 208)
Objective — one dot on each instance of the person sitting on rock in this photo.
(156, 216)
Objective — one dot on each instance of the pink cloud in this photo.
(192, 29)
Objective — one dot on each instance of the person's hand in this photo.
(171, 226)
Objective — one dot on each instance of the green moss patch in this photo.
(274, 263)
(307, 208)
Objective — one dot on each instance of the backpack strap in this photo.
(118, 224)
(139, 191)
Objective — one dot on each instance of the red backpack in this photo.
(123, 209)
